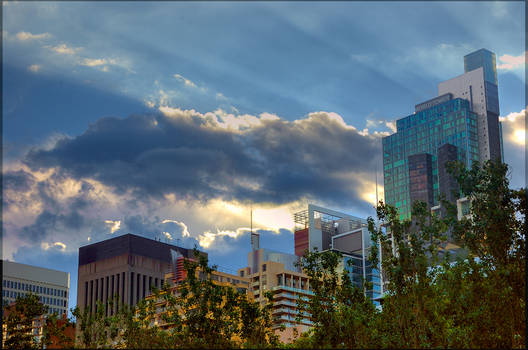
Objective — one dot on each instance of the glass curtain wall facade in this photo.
(451, 122)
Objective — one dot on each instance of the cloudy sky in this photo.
(172, 119)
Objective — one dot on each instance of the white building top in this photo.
(12, 269)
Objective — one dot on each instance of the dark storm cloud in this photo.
(22, 191)
(18, 180)
(190, 155)
(48, 222)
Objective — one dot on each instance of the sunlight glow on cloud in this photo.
(26, 36)
(64, 49)
(167, 235)
(114, 225)
(368, 190)
(184, 228)
(508, 62)
(514, 127)
(184, 80)
(58, 245)
(97, 62)
(34, 68)
(208, 238)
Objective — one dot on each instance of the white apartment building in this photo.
(51, 286)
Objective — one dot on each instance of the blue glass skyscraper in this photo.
(423, 133)
(460, 124)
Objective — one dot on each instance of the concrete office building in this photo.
(51, 286)
(325, 229)
(124, 267)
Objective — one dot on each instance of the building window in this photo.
(241, 273)
(263, 267)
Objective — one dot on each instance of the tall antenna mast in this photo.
(254, 236)
(376, 204)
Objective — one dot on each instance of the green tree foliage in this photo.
(198, 314)
(18, 319)
(494, 274)
(95, 329)
(205, 314)
(434, 298)
(341, 313)
(474, 301)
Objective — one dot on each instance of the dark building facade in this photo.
(125, 267)
(421, 178)
(447, 184)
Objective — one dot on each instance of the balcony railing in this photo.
(292, 289)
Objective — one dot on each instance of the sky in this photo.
(172, 120)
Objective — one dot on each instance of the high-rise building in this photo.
(124, 267)
(460, 124)
(51, 286)
(325, 229)
(478, 85)
(410, 156)
(280, 274)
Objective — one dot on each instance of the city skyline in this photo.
(172, 119)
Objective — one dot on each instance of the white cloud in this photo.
(509, 62)
(97, 62)
(186, 81)
(184, 228)
(514, 125)
(374, 124)
(167, 235)
(219, 118)
(150, 104)
(391, 125)
(207, 239)
(26, 36)
(63, 49)
(114, 225)
(34, 68)
(57, 245)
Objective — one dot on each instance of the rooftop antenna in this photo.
(254, 236)
(376, 204)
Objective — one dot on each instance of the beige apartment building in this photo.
(278, 273)
(174, 279)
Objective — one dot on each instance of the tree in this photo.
(215, 316)
(475, 300)
(341, 313)
(19, 318)
(495, 236)
(58, 333)
(198, 313)
(95, 329)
